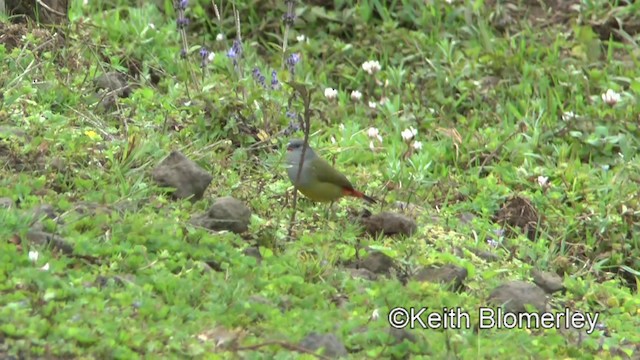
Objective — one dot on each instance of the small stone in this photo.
(331, 345)
(389, 224)
(485, 255)
(42, 238)
(362, 274)
(400, 335)
(515, 295)
(44, 211)
(182, 174)
(377, 263)
(113, 81)
(446, 274)
(548, 281)
(227, 213)
(253, 252)
(6, 203)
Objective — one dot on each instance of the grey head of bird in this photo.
(294, 149)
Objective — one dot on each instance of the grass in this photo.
(506, 101)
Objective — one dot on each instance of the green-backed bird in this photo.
(318, 180)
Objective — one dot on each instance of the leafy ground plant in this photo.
(145, 209)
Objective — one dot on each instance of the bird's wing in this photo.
(326, 173)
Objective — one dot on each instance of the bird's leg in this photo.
(329, 212)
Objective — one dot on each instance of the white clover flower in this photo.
(341, 127)
(152, 26)
(211, 56)
(220, 37)
(375, 315)
(330, 93)
(569, 115)
(542, 180)
(301, 38)
(33, 256)
(371, 67)
(409, 133)
(374, 133)
(611, 97)
(45, 267)
(356, 95)
(372, 104)
(417, 145)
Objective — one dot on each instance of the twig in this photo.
(50, 9)
(239, 68)
(217, 13)
(288, 22)
(306, 125)
(495, 152)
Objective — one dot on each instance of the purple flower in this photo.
(289, 17)
(183, 53)
(257, 75)
(291, 115)
(274, 80)
(235, 50)
(292, 61)
(182, 4)
(204, 55)
(182, 22)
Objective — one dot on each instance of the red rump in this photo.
(358, 194)
(352, 192)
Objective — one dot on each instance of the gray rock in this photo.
(362, 274)
(107, 103)
(42, 238)
(187, 178)
(226, 213)
(331, 345)
(389, 224)
(485, 255)
(515, 295)
(113, 82)
(548, 281)
(400, 335)
(44, 211)
(6, 203)
(253, 252)
(377, 263)
(446, 274)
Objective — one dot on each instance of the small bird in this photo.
(318, 180)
